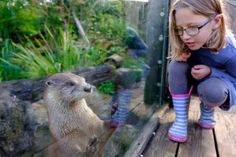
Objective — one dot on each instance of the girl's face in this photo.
(186, 19)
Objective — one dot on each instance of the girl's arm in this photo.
(230, 72)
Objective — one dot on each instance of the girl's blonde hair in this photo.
(207, 8)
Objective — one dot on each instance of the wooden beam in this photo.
(157, 41)
(32, 89)
(161, 146)
(140, 143)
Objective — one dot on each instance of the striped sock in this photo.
(206, 119)
(178, 130)
(119, 117)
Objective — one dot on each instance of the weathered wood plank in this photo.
(139, 145)
(32, 90)
(226, 134)
(161, 146)
(201, 141)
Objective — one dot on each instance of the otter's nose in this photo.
(88, 88)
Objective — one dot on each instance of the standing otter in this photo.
(78, 131)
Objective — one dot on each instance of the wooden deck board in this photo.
(161, 146)
(139, 145)
(201, 141)
(225, 131)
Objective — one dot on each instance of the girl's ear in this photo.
(217, 21)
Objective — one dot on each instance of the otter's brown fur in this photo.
(78, 131)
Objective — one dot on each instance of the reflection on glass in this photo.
(101, 41)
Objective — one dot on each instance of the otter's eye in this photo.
(70, 83)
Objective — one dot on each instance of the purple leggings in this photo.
(212, 91)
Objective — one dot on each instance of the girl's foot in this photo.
(206, 120)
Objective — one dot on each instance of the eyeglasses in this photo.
(191, 31)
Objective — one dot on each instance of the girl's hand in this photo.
(200, 71)
(183, 57)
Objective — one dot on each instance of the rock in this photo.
(17, 125)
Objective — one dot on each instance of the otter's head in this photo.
(66, 87)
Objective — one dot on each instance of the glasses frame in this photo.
(198, 28)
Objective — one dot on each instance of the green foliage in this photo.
(111, 27)
(93, 56)
(35, 64)
(18, 19)
(38, 51)
(115, 8)
(131, 63)
(117, 50)
(107, 87)
(109, 20)
(50, 54)
(106, 21)
(27, 18)
(8, 70)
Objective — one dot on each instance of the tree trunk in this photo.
(80, 28)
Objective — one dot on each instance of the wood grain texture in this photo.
(226, 134)
(201, 141)
(139, 145)
(161, 146)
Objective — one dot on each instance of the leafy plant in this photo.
(107, 87)
(39, 51)
(35, 64)
(18, 19)
(47, 55)
(92, 56)
(106, 23)
(54, 53)
(8, 70)
(131, 63)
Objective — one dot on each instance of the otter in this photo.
(77, 130)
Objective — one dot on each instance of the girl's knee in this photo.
(178, 67)
(178, 75)
(213, 91)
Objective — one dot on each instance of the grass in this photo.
(8, 70)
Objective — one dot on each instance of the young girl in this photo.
(204, 57)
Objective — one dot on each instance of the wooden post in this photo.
(157, 40)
